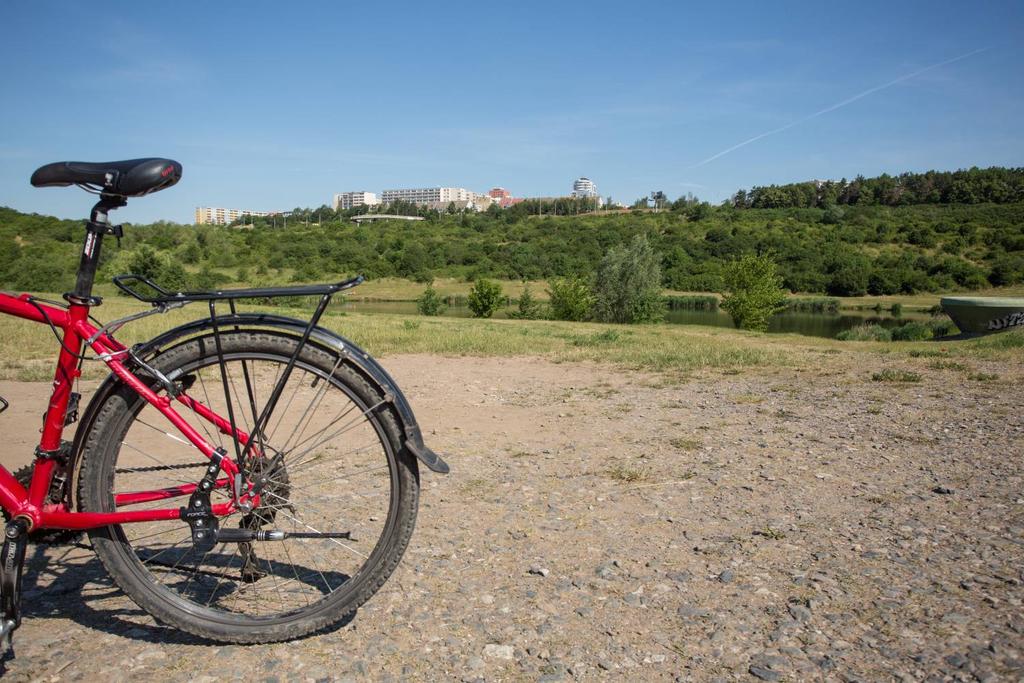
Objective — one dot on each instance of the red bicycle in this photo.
(244, 477)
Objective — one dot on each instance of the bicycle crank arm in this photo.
(248, 535)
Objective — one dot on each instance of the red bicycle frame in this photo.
(78, 332)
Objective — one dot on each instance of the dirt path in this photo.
(784, 525)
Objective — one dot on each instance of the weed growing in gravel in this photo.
(747, 398)
(770, 533)
(927, 353)
(946, 364)
(982, 376)
(627, 474)
(890, 375)
(686, 444)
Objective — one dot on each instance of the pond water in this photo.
(811, 324)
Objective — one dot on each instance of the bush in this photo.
(627, 288)
(528, 307)
(942, 328)
(897, 310)
(570, 298)
(754, 292)
(430, 302)
(485, 298)
(912, 331)
(865, 333)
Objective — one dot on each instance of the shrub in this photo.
(528, 308)
(897, 310)
(692, 302)
(627, 288)
(865, 333)
(942, 328)
(485, 298)
(912, 331)
(754, 291)
(570, 298)
(430, 302)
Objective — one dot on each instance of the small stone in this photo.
(799, 612)
(691, 612)
(957, 660)
(942, 490)
(475, 663)
(499, 651)
(538, 570)
(764, 674)
(680, 577)
(727, 576)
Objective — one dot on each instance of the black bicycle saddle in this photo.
(131, 178)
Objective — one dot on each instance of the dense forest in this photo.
(971, 186)
(842, 248)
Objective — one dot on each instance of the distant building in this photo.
(480, 202)
(347, 200)
(220, 216)
(584, 187)
(503, 197)
(428, 195)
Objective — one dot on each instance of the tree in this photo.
(627, 288)
(571, 298)
(430, 302)
(528, 308)
(485, 298)
(753, 291)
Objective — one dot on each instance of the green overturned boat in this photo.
(984, 314)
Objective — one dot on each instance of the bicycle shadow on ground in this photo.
(71, 582)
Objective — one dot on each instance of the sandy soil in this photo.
(782, 524)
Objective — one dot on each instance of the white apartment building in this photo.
(221, 216)
(584, 187)
(346, 200)
(429, 195)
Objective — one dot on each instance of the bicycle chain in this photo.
(159, 468)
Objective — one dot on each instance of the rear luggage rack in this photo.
(127, 281)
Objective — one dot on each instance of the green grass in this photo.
(890, 375)
(28, 350)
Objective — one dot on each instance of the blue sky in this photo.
(272, 105)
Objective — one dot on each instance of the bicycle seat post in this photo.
(98, 226)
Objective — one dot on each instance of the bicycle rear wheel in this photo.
(343, 471)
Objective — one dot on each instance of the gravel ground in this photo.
(772, 525)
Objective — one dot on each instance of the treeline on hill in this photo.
(972, 186)
(840, 250)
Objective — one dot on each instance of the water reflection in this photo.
(810, 324)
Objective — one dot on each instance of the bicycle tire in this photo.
(127, 551)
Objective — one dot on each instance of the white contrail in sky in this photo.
(845, 102)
